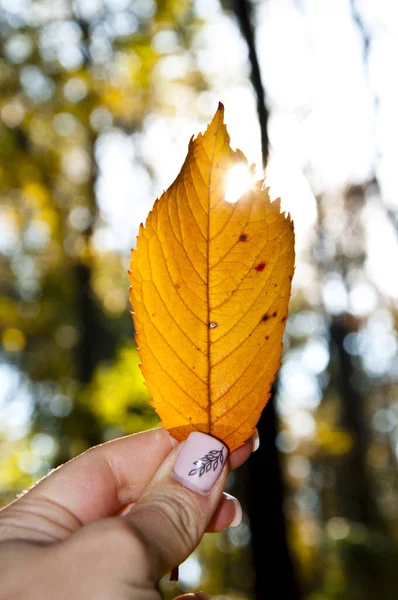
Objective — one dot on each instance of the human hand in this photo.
(111, 522)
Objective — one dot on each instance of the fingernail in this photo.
(200, 462)
(238, 510)
(194, 596)
(125, 511)
(256, 440)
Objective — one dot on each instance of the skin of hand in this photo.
(111, 522)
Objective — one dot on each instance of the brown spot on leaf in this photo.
(284, 319)
(265, 318)
(243, 237)
(274, 314)
(260, 266)
(267, 337)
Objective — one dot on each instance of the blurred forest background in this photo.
(98, 99)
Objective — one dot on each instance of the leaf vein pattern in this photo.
(174, 199)
(172, 349)
(176, 290)
(240, 376)
(173, 380)
(191, 211)
(244, 420)
(230, 249)
(249, 268)
(195, 188)
(183, 241)
(177, 410)
(181, 246)
(247, 394)
(225, 224)
(238, 346)
(245, 313)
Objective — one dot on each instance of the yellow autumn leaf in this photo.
(210, 287)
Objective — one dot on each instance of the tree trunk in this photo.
(270, 551)
(265, 494)
(353, 484)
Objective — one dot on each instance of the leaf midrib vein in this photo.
(208, 279)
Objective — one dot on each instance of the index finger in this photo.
(96, 484)
(99, 483)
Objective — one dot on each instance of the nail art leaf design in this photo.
(209, 461)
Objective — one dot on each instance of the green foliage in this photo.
(117, 395)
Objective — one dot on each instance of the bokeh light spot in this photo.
(238, 181)
(13, 340)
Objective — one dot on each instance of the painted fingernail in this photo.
(256, 440)
(238, 510)
(200, 462)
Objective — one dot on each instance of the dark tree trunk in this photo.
(96, 341)
(243, 12)
(86, 350)
(270, 551)
(353, 483)
(265, 495)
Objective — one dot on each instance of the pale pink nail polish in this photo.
(256, 440)
(238, 510)
(194, 596)
(200, 462)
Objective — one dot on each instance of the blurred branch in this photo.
(366, 39)
(244, 13)
(357, 17)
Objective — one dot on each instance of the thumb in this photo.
(179, 502)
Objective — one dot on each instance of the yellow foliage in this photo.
(36, 194)
(118, 396)
(333, 441)
(12, 478)
(9, 313)
(13, 340)
(211, 284)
